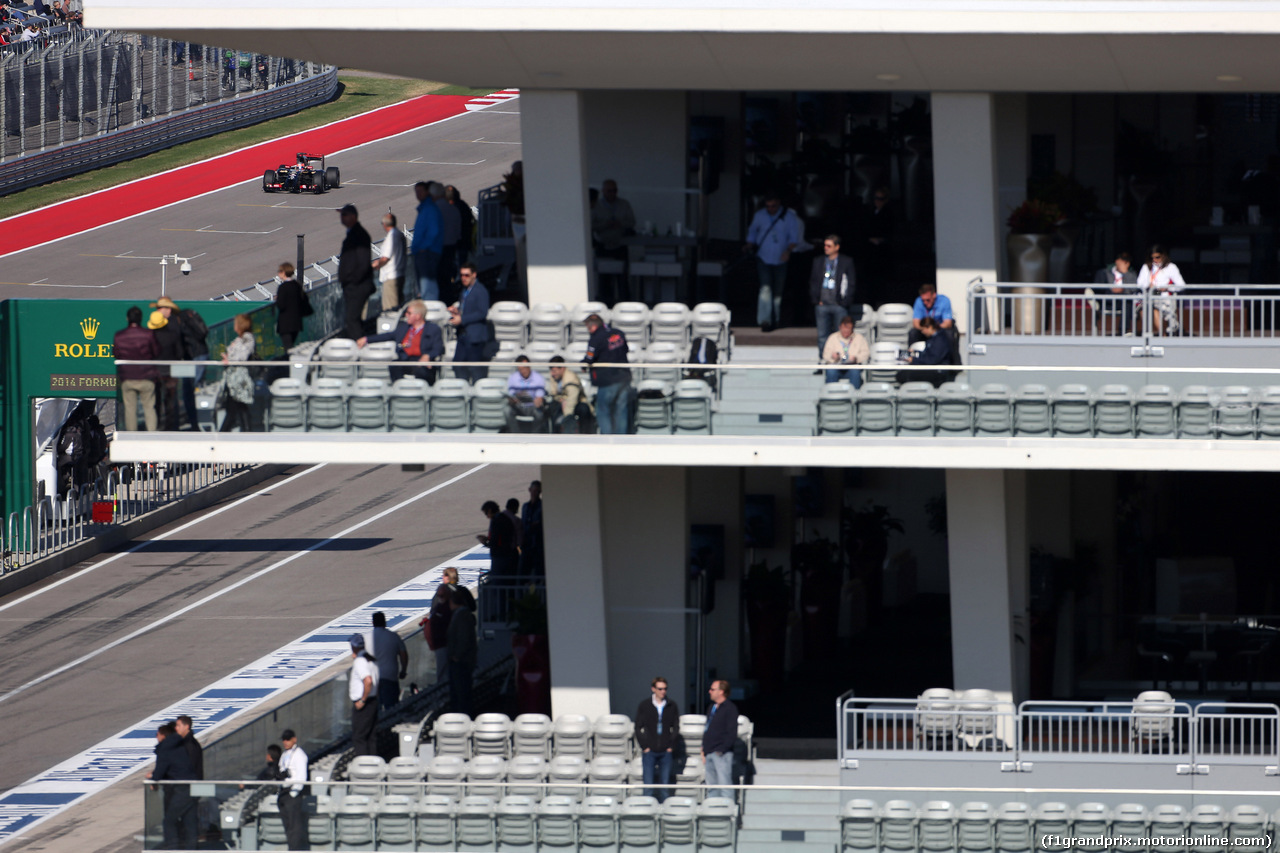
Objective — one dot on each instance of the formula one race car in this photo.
(302, 176)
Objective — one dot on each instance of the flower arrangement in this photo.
(1034, 217)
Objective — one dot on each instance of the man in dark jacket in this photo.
(657, 724)
(355, 272)
(463, 648)
(471, 318)
(169, 340)
(193, 333)
(504, 556)
(417, 340)
(718, 739)
(174, 763)
(290, 305)
(937, 350)
(1121, 283)
(613, 384)
(137, 381)
(832, 283)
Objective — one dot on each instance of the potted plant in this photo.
(531, 650)
(1031, 226)
(767, 598)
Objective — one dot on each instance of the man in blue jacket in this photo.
(718, 739)
(471, 318)
(428, 243)
(613, 384)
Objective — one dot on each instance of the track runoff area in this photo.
(218, 707)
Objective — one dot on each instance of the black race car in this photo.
(303, 176)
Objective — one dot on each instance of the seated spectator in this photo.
(937, 350)
(846, 346)
(31, 33)
(416, 341)
(1119, 279)
(69, 11)
(526, 391)
(931, 305)
(571, 412)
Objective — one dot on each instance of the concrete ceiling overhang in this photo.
(1081, 46)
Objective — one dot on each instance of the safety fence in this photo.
(99, 97)
(970, 728)
(122, 494)
(500, 600)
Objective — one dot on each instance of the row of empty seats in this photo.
(670, 322)
(1074, 410)
(355, 822)
(941, 827)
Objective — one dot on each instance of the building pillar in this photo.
(577, 625)
(988, 556)
(555, 196)
(966, 215)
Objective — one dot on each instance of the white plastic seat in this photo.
(717, 824)
(691, 407)
(394, 823)
(874, 409)
(327, 405)
(678, 822)
(662, 352)
(1129, 821)
(476, 827)
(638, 824)
(1168, 828)
(491, 735)
(711, 320)
(549, 323)
(403, 775)
(507, 353)
(408, 406)
(541, 352)
(1091, 822)
(865, 325)
(835, 409)
(531, 735)
(517, 824)
(1113, 412)
(353, 823)
(1235, 415)
(612, 735)
(597, 823)
(858, 828)
(271, 834)
(936, 717)
(893, 322)
(1013, 831)
(898, 822)
(977, 715)
(936, 827)
(653, 407)
(1268, 400)
(888, 353)
(1032, 411)
(525, 775)
(1155, 413)
(632, 319)
(1051, 819)
(1072, 410)
(692, 727)
(450, 406)
(438, 313)
(953, 409)
(580, 313)
(1247, 821)
(510, 322)
(445, 775)
(375, 360)
(287, 411)
(914, 410)
(435, 823)
(975, 827)
(338, 349)
(1152, 721)
(367, 406)
(485, 774)
(452, 734)
(571, 735)
(365, 774)
(1195, 412)
(604, 773)
(669, 321)
(1207, 829)
(993, 410)
(566, 775)
(557, 823)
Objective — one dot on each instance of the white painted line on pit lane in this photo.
(481, 139)
(141, 545)
(208, 229)
(363, 184)
(201, 602)
(43, 283)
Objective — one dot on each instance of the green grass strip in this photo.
(356, 94)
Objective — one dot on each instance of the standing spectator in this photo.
(570, 410)
(463, 649)
(428, 243)
(531, 554)
(355, 271)
(436, 623)
(1119, 279)
(462, 249)
(238, 381)
(844, 347)
(205, 813)
(393, 660)
(361, 689)
(718, 739)
(390, 264)
(504, 559)
(877, 250)
(832, 283)
(450, 234)
(290, 306)
(471, 318)
(613, 384)
(773, 234)
(1162, 277)
(195, 347)
(513, 512)
(169, 339)
(657, 724)
(137, 381)
(293, 772)
(417, 341)
(934, 306)
(174, 763)
(612, 221)
(527, 394)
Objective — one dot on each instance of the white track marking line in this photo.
(90, 286)
(363, 184)
(162, 536)
(242, 582)
(209, 229)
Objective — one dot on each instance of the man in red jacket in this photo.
(137, 381)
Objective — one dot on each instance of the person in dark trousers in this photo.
(293, 773)
(290, 303)
(657, 724)
(169, 339)
(937, 350)
(355, 272)
(832, 285)
(418, 342)
(532, 559)
(718, 739)
(173, 762)
(393, 660)
(362, 689)
(436, 624)
(504, 556)
(463, 649)
(607, 346)
(471, 318)
(136, 381)
(1121, 283)
(195, 347)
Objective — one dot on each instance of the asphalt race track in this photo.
(239, 235)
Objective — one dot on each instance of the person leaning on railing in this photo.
(1120, 280)
(1163, 278)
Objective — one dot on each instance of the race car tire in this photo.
(333, 177)
(269, 178)
(319, 186)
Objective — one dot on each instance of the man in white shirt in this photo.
(774, 232)
(390, 264)
(293, 773)
(361, 689)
